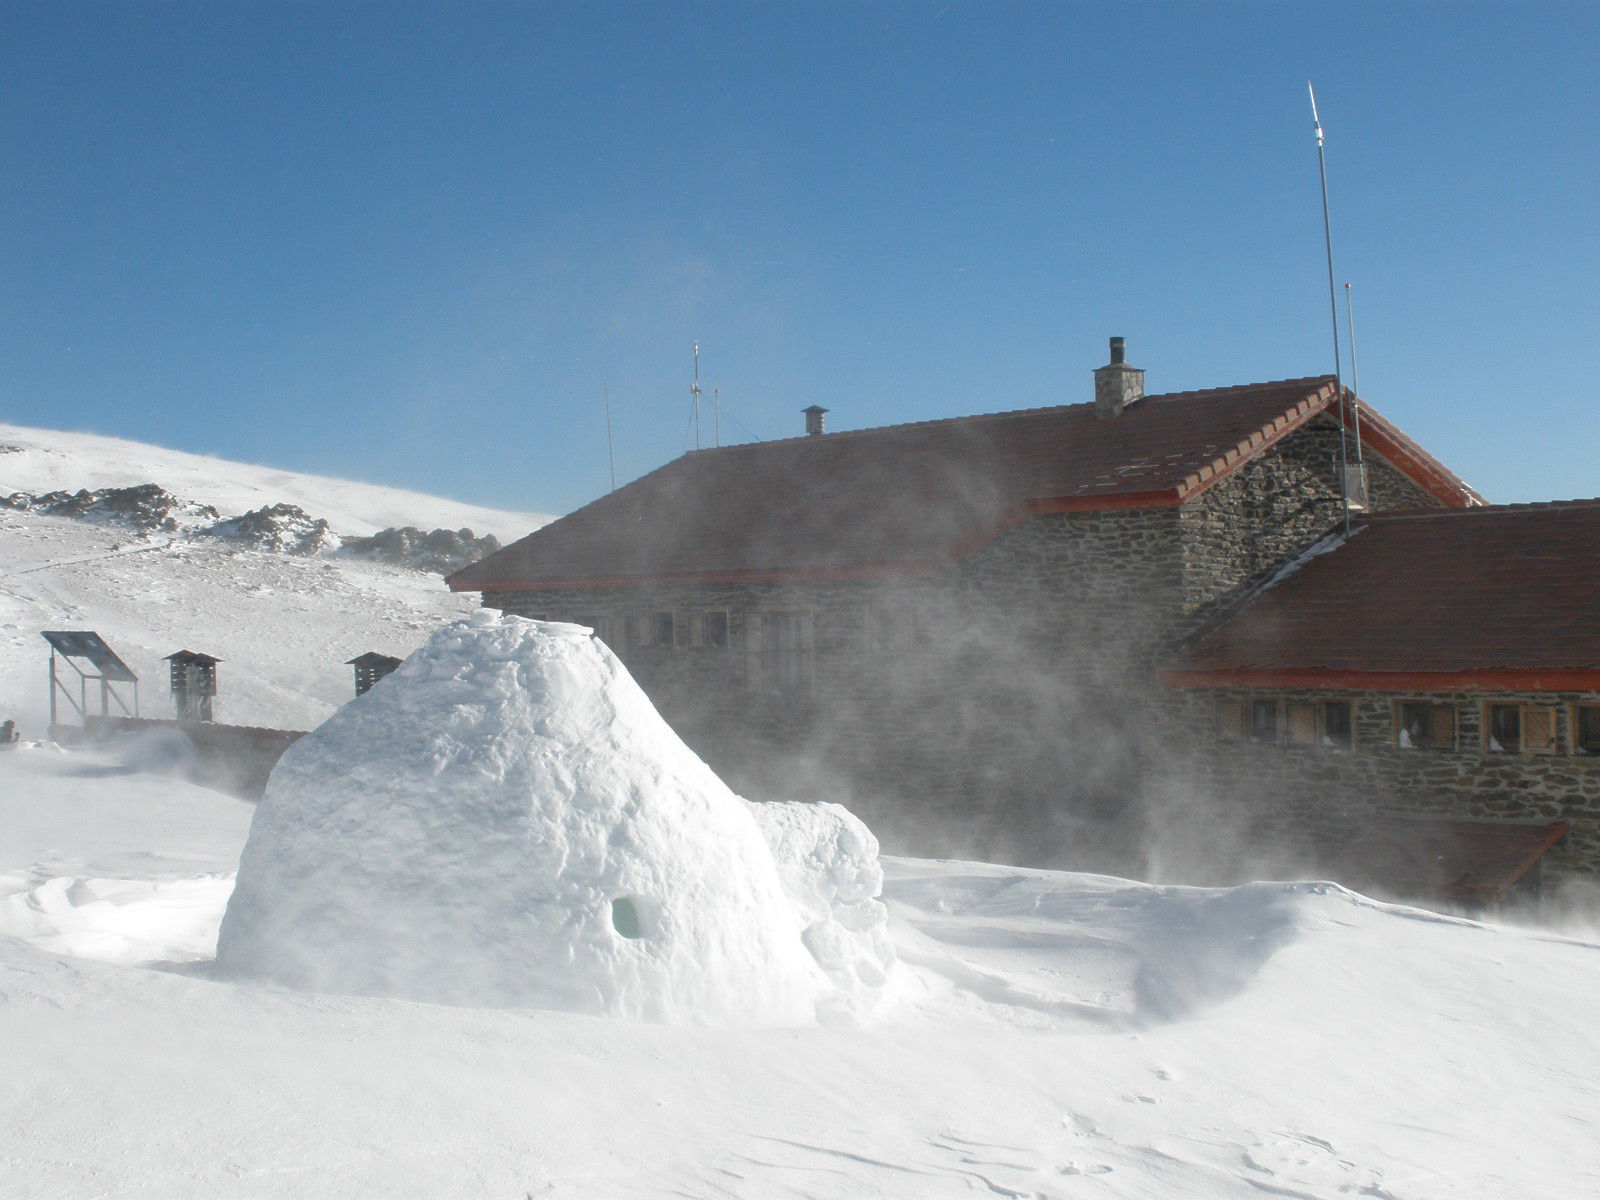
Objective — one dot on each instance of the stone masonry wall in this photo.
(1236, 534)
(1301, 803)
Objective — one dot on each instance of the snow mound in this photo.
(828, 863)
(507, 821)
(131, 922)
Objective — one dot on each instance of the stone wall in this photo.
(1300, 804)
(1236, 534)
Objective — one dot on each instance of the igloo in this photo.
(506, 821)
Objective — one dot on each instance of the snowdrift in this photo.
(506, 821)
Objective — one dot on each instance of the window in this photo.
(708, 629)
(778, 649)
(1338, 728)
(650, 629)
(1538, 730)
(1263, 720)
(1504, 728)
(1230, 721)
(1586, 729)
(1300, 723)
(1521, 729)
(784, 649)
(1422, 726)
(1325, 723)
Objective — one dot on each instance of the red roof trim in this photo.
(1122, 501)
(1412, 460)
(1262, 439)
(1312, 679)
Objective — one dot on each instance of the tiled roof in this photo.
(1462, 860)
(911, 498)
(1492, 595)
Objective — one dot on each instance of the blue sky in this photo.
(412, 243)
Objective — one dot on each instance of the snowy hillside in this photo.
(282, 623)
(1062, 1037)
(38, 461)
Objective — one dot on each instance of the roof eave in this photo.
(1479, 679)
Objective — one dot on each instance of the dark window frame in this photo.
(1262, 722)
(778, 647)
(1497, 718)
(1586, 742)
(1331, 741)
(707, 629)
(1416, 726)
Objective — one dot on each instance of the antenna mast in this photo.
(1355, 386)
(716, 410)
(694, 395)
(1333, 310)
(611, 449)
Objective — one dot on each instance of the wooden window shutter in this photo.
(1230, 720)
(1441, 728)
(1538, 730)
(1302, 721)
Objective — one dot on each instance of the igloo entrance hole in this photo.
(633, 917)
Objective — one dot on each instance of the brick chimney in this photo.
(816, 426)
(1116, 385)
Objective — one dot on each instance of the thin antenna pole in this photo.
(716, 409)
(1355, 380)
(611, 448)
(694, 395)
(1333, 311)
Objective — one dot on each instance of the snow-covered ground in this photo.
(283, 625)
(1064, 1036)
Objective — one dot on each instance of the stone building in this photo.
(1438, 665)
(957, 627)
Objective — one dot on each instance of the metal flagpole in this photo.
(1333, 310)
